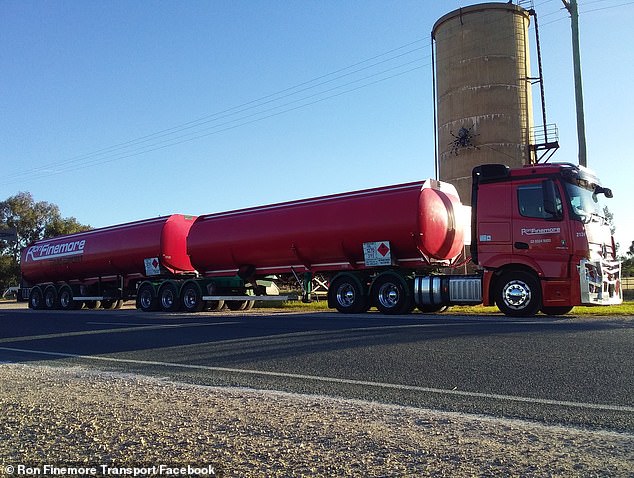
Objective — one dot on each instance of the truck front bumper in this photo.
(600, 282)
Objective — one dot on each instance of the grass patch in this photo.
(627, 308)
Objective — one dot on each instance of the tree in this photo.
(609, 216)
(32, 221)
(627, 267)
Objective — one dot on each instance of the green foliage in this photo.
(627, 267)
(33, 221)
(9, 272)
(609, 216)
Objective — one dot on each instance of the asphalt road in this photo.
(570, 371)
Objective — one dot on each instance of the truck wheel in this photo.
(215, 305)
(36, 298)
(146, 298)
(237, 304)
(391, 294)
(518, 294)
(347, 295)
(168, 298)
(93, 304)
(65, 298)
(50, 297)
(433, 309)
(108, 304)
(192, 298)
(557, 310)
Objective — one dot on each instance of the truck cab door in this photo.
(541, 236)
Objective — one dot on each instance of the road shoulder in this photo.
(76, 415)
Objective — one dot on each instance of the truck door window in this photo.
(530, 199)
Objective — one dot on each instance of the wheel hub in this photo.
(389, 295)
(146, 299)
(517, 294)
(345, 295)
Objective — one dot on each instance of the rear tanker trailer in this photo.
(538, 239)
(104, 267)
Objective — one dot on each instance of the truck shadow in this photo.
(261, 340)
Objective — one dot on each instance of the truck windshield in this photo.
(586, 204)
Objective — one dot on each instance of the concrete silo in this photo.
(483, 90)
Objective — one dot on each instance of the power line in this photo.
(248, 113)
(156, 143)
(606, 8)
(259, 102)
(228, 128)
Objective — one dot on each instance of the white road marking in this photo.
(106, 331)
(393, 386)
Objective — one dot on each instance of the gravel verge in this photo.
(73, 416)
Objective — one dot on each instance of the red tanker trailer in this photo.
(537, 236)
(327, 233)
(105, 265)
(412, 226)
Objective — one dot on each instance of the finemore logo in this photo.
(535, 231)
(54, 251)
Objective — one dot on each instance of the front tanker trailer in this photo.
(369, 244)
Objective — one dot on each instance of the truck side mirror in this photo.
(552, 200)
(602, 190)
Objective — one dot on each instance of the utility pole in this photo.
(571, 6)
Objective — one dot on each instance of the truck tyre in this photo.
(65, 298)
(392, 295)
(36, 298)
(518, 294)
(433, 309)
(168, 298)
(50, 297)
(108, 304)
(192, 298)
(347, 295)
(214, 305)
(557, 310)
(146, 298)
(111, 304)
(93, 304)
(237, 304)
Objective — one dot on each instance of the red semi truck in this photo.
(539, 240)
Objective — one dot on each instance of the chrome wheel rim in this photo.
(516, 294)
(389, 295)
(346, 295)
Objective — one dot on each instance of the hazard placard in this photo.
(377, 253)
(152, 267)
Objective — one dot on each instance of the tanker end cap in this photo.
(441, 227)
(447, 188)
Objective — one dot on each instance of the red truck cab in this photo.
(541, 236)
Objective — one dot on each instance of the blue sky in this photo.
(120, 110)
